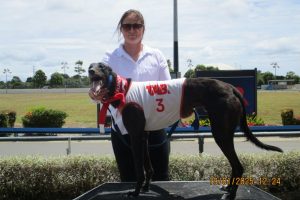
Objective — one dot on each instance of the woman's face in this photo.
(132, 29)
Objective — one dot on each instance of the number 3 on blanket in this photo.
(160, 105)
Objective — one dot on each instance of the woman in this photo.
(139, 62)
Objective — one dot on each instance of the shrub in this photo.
(12, 116)
(204, 122)
(42, 117)
(3, 120)
(252, 120)
(7, 119)
(59, 178)
(287, 117)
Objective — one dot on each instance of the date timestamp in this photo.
(245, 181)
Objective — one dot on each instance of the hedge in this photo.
(42, 117)
(7, 119)
(37, 177)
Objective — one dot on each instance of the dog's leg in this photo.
(134, 121)
(223, 132)
(237, 169)
(148, 165)
(138, 148)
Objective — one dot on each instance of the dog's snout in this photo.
(91, 71)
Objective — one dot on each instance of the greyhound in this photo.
(153, 105)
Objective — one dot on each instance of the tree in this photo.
(297, 79)
(85, 80)
(39, 79)
(66, 76)
(16, 82)
(2, 85)
(56, 80)
(292, 75)
(28, 83)
(78, 68)
(190, 74)
(267, 76)
(170, 65)
(211, 68)
(200, 68)
(29, 80)
(259, 79)
(205, 68)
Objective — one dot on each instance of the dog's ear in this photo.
(105, 68)
(100, 67)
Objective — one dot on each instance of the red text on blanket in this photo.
(159, 89)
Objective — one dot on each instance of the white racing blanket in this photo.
(161, 101)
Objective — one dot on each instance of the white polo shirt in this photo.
(150, 66)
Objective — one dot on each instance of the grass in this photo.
(80, 109)
(82, 112)
(270, 104)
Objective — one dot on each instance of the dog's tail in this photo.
(245, 128)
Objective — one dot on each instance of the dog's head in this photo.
(103, 82)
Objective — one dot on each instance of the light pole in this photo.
(6, 71)
(64, 67)
(189, 61)
(175, 29)
(33, 70)
(275, 65)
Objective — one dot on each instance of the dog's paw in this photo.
(228, 196)
(225, 188)
(225, 196)
(132, 194)
(145, 188)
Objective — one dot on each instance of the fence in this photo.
(180, 133)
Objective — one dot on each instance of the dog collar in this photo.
(104, 108)
(121, 85)
(109, 80)
(121, 89)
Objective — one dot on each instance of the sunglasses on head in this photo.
(127, 27)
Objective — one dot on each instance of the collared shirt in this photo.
(151, 65)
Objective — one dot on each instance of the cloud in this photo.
(250, 33)
(283, 45)
(22, 55)
(66, 5)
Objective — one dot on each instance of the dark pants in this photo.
(159, 156)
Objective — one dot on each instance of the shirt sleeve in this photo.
(106, 58)
(164, 73)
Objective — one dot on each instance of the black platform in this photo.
(199, 190)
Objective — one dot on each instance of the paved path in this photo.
(186, 147)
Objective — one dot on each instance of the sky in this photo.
(241, 34)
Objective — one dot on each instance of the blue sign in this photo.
(244, 85)
(243, 80)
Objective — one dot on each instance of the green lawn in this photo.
(82, 111)
(270, 105)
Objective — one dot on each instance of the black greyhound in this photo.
(223, 103)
